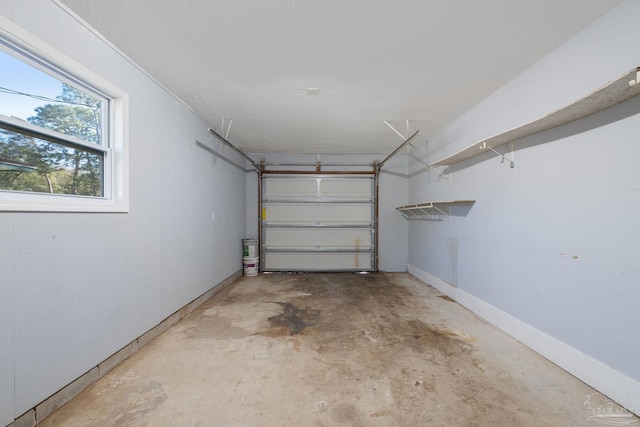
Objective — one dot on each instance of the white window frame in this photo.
(115, 140)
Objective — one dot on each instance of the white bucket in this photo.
(249, 248)
(250, 265)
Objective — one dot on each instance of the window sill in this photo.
(29, 202)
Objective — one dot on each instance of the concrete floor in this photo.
(331, 350)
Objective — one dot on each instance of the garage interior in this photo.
(443, 196)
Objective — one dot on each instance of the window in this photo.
(61, 135)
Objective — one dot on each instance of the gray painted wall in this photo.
(75, 288)
(554, 241)
(251, 214)
(392, 190)
(7, 344)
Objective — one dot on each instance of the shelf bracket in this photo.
(441, 212)
(431, 210)
(446, 214)
(484, 146)
(446, 176)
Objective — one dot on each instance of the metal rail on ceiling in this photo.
(404, 144)
(236, 149)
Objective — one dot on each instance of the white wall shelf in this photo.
(431, 210)
(622, 89)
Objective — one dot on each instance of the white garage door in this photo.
(318, 223)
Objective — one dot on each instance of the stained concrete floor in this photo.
(331, 350)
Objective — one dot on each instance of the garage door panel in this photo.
(327, 188)
(319, 237)
(359, 213)
(289, 188)
(296, 261)
(346, 189)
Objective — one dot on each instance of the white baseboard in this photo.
(613, 384)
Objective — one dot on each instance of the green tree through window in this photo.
(51, 165)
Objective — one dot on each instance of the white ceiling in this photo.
(426, 61)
